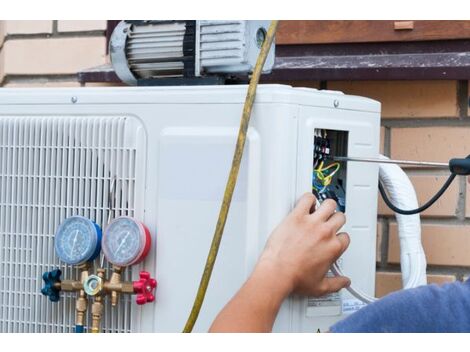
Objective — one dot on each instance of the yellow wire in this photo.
(232, 179)
(331, 165)
(326, 179)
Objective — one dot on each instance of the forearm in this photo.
(295, 259)
(255, 306)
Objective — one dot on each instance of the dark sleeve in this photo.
(429, 308)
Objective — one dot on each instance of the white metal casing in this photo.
(183, 140)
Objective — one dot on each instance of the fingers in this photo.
(337, 220)
(326, 209)
(344, 239)
(334, 284)
(305, 205)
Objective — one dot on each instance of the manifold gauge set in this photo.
(78, 241)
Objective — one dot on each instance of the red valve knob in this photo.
(144, 288)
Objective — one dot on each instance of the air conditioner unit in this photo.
(169, 151)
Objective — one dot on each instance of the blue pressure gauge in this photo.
(77, 240)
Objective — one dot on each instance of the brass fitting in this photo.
(96, 286)
(74, 285)
(97, 307)
(96, 314)
(82, 301)
(114, 283)
(69, 285)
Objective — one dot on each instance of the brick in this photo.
(468, 109)
(382, 140)
(401, 99)
(440, 279)
(52, 56)
(27, 27)
(378, 250)
(467, 197)
(2, 32)
(2, 65)
(430, 143)
(386, 283)
(426, 187)
(443, 244)
(81, 26)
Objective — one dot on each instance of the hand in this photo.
(302, 248)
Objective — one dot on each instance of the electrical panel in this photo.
(168, 151)
(329, 175)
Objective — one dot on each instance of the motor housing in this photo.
(151, 50)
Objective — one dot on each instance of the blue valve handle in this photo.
(50, 279)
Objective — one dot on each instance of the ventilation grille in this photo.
(53, 168)
(222, 42)
(155, 50)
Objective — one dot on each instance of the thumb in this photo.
(334, 284)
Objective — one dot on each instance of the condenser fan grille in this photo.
(52, 168)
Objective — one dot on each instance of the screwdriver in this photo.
(458, 166)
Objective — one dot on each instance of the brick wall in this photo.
(422, 120)
(49, 53)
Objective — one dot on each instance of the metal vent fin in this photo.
(53, 168)
(156, 50)
(222, 42)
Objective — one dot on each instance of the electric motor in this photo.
(142, 50)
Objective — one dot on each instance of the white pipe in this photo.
(413, 260)
(403, 195)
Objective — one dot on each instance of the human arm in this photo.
(296, 259)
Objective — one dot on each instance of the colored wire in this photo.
(324, 175)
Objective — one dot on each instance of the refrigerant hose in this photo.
(232, 179)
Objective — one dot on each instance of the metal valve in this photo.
(144, 287)
(50, 289)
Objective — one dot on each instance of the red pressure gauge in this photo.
(126, 241)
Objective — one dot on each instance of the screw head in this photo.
(74, 100)
(336, 103)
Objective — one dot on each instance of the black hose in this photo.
(421, 208)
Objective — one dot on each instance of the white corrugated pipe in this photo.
(413, 260)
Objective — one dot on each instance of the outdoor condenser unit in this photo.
(169, 151)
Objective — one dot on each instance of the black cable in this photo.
(421, 208)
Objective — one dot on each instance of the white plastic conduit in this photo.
(413, 260)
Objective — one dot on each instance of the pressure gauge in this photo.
(77, 240)
(126, 241)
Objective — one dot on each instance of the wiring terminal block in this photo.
(329, 176)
